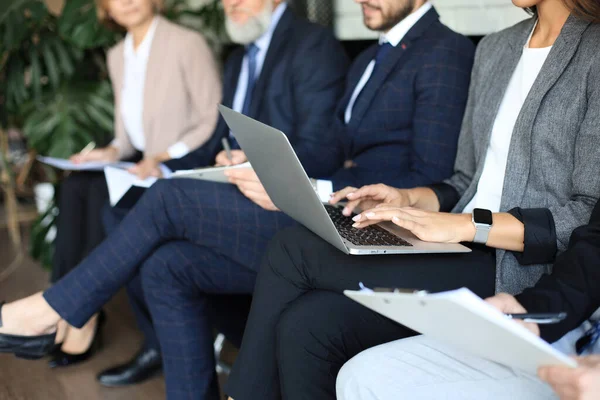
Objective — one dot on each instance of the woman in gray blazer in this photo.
(166, 86)
(526, 175)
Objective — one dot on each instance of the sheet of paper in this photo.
(67, 165)
(119, 181)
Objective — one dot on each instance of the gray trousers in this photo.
(420, 368)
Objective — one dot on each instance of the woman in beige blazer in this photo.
(167, 87)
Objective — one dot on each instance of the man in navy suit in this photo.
(190, 240)
(287, 93)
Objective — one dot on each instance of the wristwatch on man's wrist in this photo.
(483, 221)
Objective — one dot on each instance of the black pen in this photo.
(540, 318)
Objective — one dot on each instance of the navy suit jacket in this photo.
(301, 81)
(406, 122)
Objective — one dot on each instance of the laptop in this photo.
(285, 180)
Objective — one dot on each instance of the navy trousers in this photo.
(111, 218)
(183, 233)
(228, 313)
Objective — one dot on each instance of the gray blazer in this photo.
(554, 157)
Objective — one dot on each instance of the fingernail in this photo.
(346, 212)
(356, 218)
(356, 225)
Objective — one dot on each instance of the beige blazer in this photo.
(181, 92)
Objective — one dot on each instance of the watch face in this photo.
(482, 216)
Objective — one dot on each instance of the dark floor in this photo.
(32, 380)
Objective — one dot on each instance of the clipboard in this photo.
(461, 319)
(67, 165)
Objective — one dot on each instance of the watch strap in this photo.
(482, 233)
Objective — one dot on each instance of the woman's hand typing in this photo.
(371, 196)
(428, 226)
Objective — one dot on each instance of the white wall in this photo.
(469, 17)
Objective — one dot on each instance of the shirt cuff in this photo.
(324, 190)
(178, 150)
(447, 196)
(166, 171)
(540, 236)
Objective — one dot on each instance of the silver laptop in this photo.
(276, 164)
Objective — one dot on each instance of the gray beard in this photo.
(252, 29)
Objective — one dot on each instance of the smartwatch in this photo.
(483, 221)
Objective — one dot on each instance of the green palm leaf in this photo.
(79, 25)
(67, 119)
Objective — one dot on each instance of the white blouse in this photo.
(491, 183)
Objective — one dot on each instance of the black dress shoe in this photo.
(61, 359)
(145, 365)
(27, 347)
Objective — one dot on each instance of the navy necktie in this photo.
(382, 52)
(251, 52)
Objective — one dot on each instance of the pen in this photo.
(227, 148)
(90, 146)
(541, 318)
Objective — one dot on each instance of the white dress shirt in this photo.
(491, 183)
(134, 81)
(394, 36)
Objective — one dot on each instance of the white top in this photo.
(491, 183)
(394, 36)
(263, 44)
(134, 80)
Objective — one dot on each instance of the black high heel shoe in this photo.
(27, 347)
(61, 359)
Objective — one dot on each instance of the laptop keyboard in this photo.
(370, 236)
